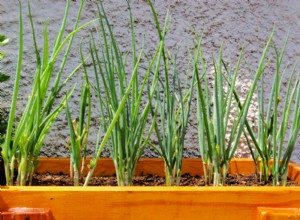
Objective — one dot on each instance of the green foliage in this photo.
(171, 111)
(3, 77)
(120, 88)
(39, 112)
(271, 154)
(213, 120)
(121, 98)
(3, 40)
(79, 131)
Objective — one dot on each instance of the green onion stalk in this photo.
(171, 109)
(79, 130)
(171, 113)
(3, 40)
(213, 118)
(40, 111)
(3, 78)
(273, 130)
(129, 136)
(271, 155)
(3, 120)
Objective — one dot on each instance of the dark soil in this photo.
(186, 180)
(2, 173)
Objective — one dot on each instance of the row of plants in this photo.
(127, 124)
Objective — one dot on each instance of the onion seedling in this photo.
(40, 111)
(272, 130)
(171, 111)
(269, 141)
(171, 115)
(124, 97)
(79, 131)
(213, 118)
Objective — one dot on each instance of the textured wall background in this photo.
(230, 23)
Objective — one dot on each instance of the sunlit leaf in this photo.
(2, 55)
(3, 40)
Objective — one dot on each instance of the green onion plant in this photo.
(3, 120)
(275, 130)
(79, 130)
(170, 114)
(122, 96)
(171, 110)
(40, 111)
(213, 118)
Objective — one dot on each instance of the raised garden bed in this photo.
(161, 202)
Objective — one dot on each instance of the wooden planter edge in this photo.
(264, 203)
(155, 166)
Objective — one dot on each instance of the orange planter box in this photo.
(262, 203)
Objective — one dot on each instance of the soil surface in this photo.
(150, 180)
(232, 24)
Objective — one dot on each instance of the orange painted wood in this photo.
(294, 173)
(26, 214)
(266, 213)
(154, 166)
(152, 202)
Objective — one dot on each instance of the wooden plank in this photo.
(141, 202)
(27, 214)
(154, 166)
(151, 202)
(294, 173)
(267, 213)
(241, 166)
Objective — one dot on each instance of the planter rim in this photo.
(167, 202)
(276, 189)
(154, 166)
